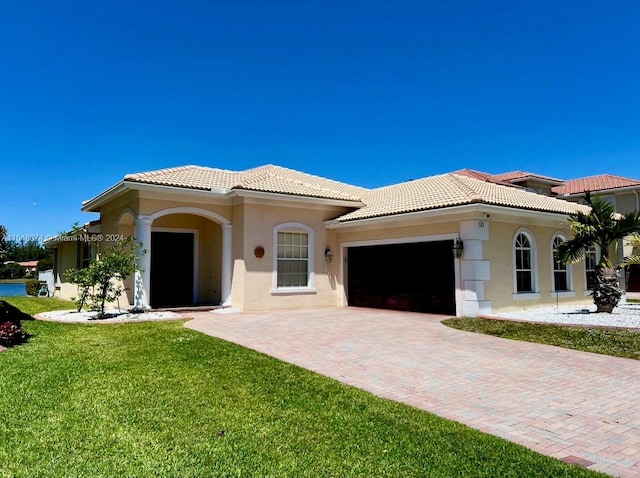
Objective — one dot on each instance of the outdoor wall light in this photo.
(457, 248)
(328, 255)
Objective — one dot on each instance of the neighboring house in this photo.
(72, 250)
(273, 238)
(623, 193)
(30, 267)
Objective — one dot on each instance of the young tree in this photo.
(601, 227)
(100, 282)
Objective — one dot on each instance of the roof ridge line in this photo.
(466, 189)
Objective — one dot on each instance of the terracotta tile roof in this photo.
(520, 175)
(448, 190)
(602, 182)
(269, 178)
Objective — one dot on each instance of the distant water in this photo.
(12, 290)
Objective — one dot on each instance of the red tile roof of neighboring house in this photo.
(602, 182)
(28, 263)
(473, 174)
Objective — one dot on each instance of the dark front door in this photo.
(171, 269)
(416, 276)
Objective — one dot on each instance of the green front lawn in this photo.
(157, 399)
(616, 342)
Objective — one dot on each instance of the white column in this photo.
(143, 276)
(227, 264)
(475, 271)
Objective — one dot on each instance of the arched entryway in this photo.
(188, 259)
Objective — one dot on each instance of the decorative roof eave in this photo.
(634, 188)
(448, 211)
(92, 227)
(538, 179)
(249, 193)
(93, 205)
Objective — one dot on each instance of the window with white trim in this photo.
(590, 263)
(561, 277)
(293, 258)
(524, 263)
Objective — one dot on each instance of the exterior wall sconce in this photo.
(328, 255)
(457, 248)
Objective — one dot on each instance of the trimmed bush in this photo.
(33, 286)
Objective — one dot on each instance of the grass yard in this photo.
(157, 399)
(616, 342)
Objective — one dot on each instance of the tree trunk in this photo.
(606, 291)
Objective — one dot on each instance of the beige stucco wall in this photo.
(500, 290)
(237, 251)
(66, 258)
(255, 227)
(626, 202)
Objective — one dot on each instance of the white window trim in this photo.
(535, 293)
(562, 293)
(587, 291)
(294, 227)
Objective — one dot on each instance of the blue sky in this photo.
(365, 92)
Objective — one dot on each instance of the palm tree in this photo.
(602, 227)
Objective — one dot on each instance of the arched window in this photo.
(293, 258)
(561, 272)
(524, 263)
(590, 263)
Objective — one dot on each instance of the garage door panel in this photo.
(415, 277)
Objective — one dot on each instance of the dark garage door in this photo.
(417, 277)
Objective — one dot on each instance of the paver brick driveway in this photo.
(571, 405)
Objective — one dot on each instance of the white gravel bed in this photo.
(624, 315)
(112, 316)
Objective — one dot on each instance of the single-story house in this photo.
(272, 238)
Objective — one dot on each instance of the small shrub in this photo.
(33, 286)
(11, 334)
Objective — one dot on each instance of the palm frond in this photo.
(629, 261)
